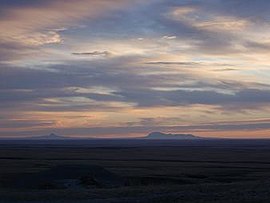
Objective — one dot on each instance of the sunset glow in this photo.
(101, 68)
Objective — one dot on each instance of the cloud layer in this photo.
(118, 68)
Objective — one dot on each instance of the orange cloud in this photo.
(210, 22)
(40, 25)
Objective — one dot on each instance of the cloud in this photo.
(208, 21)
(120, 82)
(39, 23)
(93, 53)
(168, 37)
(242, 99)
(126, 62)
(23, 123)
(37, 39)
(124, 131)
(172, 63)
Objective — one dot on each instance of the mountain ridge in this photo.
(160, 135)
(51, 136)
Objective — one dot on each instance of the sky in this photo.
(122, 68)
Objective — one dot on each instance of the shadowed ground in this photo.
(124, 171)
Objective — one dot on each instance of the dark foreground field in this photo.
(135, 171)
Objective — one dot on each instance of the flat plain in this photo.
(135, 171)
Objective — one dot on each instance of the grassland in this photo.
(183, 172)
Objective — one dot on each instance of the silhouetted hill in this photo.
(159, 135)
(51, 136)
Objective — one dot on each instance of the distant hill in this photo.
(51, 136)
(152, 135)
(159, 135)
